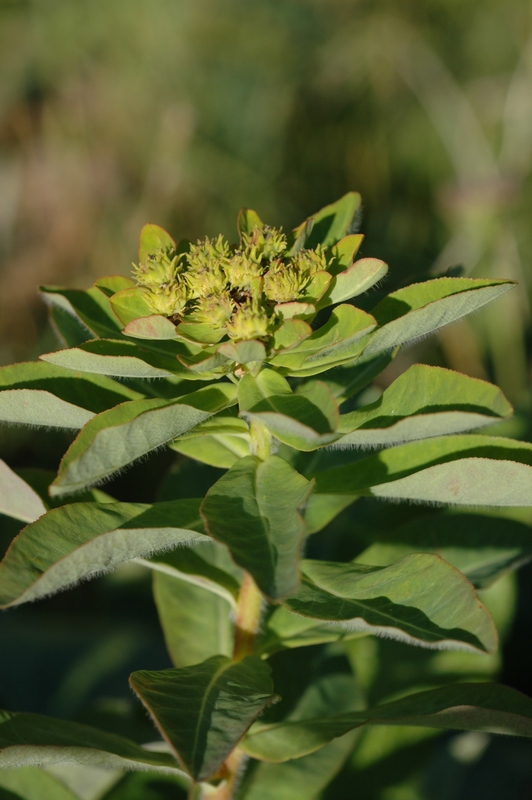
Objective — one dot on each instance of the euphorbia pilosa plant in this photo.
(257, 348)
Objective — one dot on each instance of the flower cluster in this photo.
(238, 289)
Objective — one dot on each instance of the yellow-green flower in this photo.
(169, 301)
(249, 321)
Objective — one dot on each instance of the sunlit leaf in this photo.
(354, 281)
(203, 711)
(117, 437)
(17, 498)
(333, 222)
(254, 510)
(152, 239)
(82, 540)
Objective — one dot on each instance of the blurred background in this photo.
(118, 113)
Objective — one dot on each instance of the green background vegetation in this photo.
(113, 114)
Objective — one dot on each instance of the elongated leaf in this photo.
(342, 254)
(247, 220)
(204, 710)
(419, 599)
(32, 783)
(120, 359)
(117, 437)
(481, 547)
(218, 450)
(243, 352)
(424, 402)
(253, 509)
(197, 623)
(17, 498)
(354, 281)
(129, 304)
(424, 307)
(463, 470)
(332, 222)
(68, 328)
(307, 777)
(153, 326)
(340, 340)
(82, 540)
(110, 284)
(304, 420)
(346, 381)
(90, 306)
(473, 706)
(30, 739)
(37, 393)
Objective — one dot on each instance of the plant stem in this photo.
(247, 621)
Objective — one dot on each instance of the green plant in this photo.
(255, 350)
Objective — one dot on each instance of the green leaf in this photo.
(346, 381)
(243, 352)
(197, 623)
(422, 308)
(291, 333)
(130, 304)
(247, 220)
(419, 599)
(340, 340)
(17, 498)
(360, 277)
(117, 437)
(254, 510)
(332, 222)
(304, 420)
(342, 254)
(219, 450)
(117, 358)
(463, 470)
(308, 776)
(424, 402)
(475, 706)
(483, 548)
(67, 327)
(153, 327)
(111, 284)
(29, 739)
(152, 239)
(90, 306)
(32, 783)
(295, 309)
(56, 398)
(203, 711)
(82, 540)
(299, 236)
(323, 508)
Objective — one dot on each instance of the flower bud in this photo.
(264, 243)
(241, 270)
(170, 301)
(282, 283)
(215, 310)
(249, 321)
(158, 270)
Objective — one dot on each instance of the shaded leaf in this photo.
(90, 306)
(117, 437)
(332, 222)
(17, 498)
(464, 470)
(422, 308)
(474, 706)
(253, 509)
(68, 328)
(346, 381)
(30, 739)
(110, 284)
(424, 402)
(342, 254)
(204, 710)
(305, 419)
(419, 599)
(481, 547)
(82, 540)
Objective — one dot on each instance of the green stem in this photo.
(247, 621)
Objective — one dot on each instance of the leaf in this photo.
(67, 327)
(30, 739)
(291, 333)
(483, 548)
(332, 222)
(204, 710)
(243, 352)
(253, 509)
(117, 358)
(474, 706)
(424, 402)
(130, 304)
(323, 508)
(295, 309)
(419, 599)
(32, 783)
(340, 340)
(197, 624)
(152, 239)
(342, 254)
(308, 776)
(219, 450)
(153, 327)
(36, 407)
(463, 470)
(247, 220)
(304, 420)
(91, 306)
(346, 381)
(123, 434)
(111, 284)
(299, 237)
(17, 498)
(422, 308)
(82, 540)
(361, 276)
